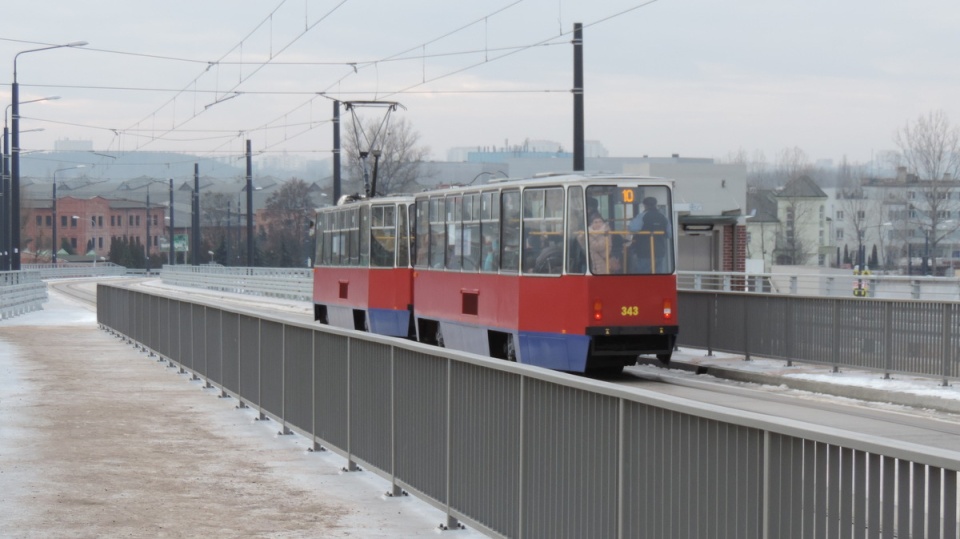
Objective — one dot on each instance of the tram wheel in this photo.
(664, 359)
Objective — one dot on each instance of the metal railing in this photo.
(787, 316)
(75, 270)
(297, 283)
(839, 284)
(517, 451)
(21, 292)
(905, 336)
(290, 283)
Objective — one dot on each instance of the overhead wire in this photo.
(138, 131)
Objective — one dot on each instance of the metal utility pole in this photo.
(336, 152)
(15, 173)
(578, 143)
(173, 252)
(195, 222)
(148, 231)
(5, 203)
(249, 206)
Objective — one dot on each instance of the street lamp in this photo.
(5, 235)
(15, 155)
(149, 239)
(54, 247)
(5, 223)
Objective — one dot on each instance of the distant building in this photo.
(790, 226)
(529, 149)
(88, 226)
(67, 145)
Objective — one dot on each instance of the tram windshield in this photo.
(629, 230)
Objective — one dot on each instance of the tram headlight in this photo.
(597, 310)
(667, 310)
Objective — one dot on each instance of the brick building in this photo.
(88, 225)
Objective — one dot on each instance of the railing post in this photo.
(947, 339)
(788, 333)
(395, 489)
(887, 339)
(452, 523)
(711, 313)
(746, 327)
(351, 464)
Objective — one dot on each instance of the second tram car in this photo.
(574, 273)
(362, 278)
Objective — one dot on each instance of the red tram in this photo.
(362, 278)
(575, 272)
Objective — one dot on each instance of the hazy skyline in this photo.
(697, 78)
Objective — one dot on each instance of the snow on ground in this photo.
(98, 439)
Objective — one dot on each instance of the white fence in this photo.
(824, 285)
(21, 292)
(289, 283)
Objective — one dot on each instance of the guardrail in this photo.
(21, 292)
(74, 270)
(905, 336)
(763, 315)
(840, 285)
(522, 452)
(290, 283)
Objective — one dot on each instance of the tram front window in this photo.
(629, 230)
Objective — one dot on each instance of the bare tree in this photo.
(287, 215)
(759, 175)
(398, 162)
(857, 216)
(929, 149)
(792, 163)
(801, 212)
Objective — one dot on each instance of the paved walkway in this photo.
(99, 440)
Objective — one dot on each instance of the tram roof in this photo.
(547, 180)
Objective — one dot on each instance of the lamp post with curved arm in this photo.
(15, 155)
(5, 223)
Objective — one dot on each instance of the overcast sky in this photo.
(699, 77)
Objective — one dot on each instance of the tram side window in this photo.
(353, 237)
(330, 240)
(576, 232)
(364, 236)
(422, 232)
(510, 231)
(438, 235)
(320, 234)
(490, 231)
(340, 256)
(543, 230)
(454, 246)
(472, 251)
(403, 238)
(383, 236)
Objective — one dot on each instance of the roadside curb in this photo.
(892, 396)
